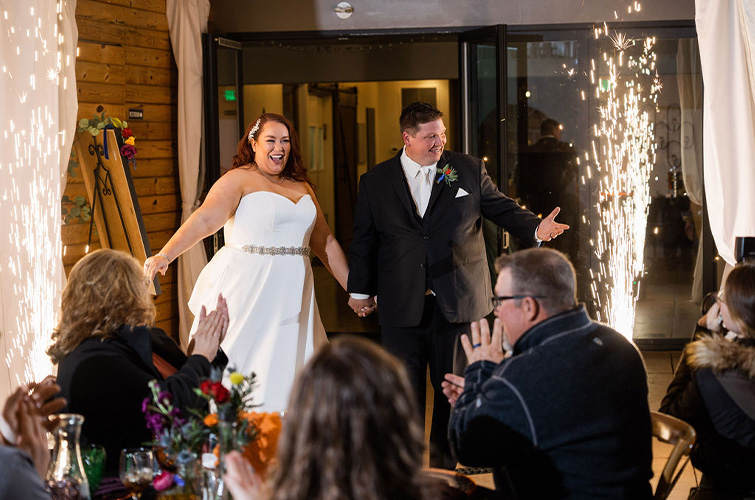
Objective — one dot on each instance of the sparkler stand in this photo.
(115, 206)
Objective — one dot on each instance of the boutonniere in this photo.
(448, 174)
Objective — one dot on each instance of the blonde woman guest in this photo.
(107, 351)
(271, 221)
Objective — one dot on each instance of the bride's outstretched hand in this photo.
(153, 265)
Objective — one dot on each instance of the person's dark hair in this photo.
(542, 271)
(352, 429)
(294, 168)
(739, 294)
(549, 127)
(416, 114)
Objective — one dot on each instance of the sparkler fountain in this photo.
(623, 152)
(34, 79)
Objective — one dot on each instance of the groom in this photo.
(418, 246)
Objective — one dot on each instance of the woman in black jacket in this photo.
(108, 350)
(714, 390)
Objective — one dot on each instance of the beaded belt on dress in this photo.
(276, 250)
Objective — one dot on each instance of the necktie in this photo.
(425, 188)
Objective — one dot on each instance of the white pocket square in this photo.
(461, 193)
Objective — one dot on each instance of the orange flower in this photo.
(211, 420)
(261, 451)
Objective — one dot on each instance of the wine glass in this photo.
(137, 470)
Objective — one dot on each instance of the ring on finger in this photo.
(475, 346)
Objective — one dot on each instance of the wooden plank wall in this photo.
(125, 61)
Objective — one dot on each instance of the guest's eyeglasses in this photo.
(497, 300)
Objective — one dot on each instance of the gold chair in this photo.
(681, 435)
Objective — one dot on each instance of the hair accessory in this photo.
(254, 129)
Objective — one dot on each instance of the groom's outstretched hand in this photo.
(362, 307)
(549, 228)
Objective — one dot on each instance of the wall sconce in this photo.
(344, 10)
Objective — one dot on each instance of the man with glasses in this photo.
(565, 415)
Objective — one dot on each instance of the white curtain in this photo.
(729, 119)
(37, 118)
(187, 20)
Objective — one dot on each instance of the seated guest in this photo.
(352, 431)
(107, 352)
(23, 441)
(566, 415)
(714, 390)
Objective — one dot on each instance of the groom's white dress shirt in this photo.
(420, 179)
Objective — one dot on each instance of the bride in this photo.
(272, 223)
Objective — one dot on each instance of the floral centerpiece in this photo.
(231, 408)
(180, 439)
(103, 122)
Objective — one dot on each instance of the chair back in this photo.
(681, 435)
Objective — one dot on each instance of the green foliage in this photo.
(72, 164)
(77, 209)
(98, 122)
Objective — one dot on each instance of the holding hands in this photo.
(549, 228)
(362, 307)
(157, 263)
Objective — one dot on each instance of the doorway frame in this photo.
(680, 28)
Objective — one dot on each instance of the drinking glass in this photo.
(137, 470)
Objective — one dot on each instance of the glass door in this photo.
(482, 106)
(556, 85)
(546, 133)
(223, 117)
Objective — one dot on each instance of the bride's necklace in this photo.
(271, 177)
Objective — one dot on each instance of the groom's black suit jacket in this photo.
(397, 255)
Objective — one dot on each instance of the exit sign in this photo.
(230, 95)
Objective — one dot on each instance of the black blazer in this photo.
(396, 254)
(106, 380)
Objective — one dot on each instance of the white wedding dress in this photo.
(274, 322)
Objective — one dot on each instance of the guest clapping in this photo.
(566, 415)
(108, 350)
(352, 432)
(714, 390)
(23, 447)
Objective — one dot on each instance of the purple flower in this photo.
(154, 423)
(145, 405)
(128, 151)
(165, 398)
